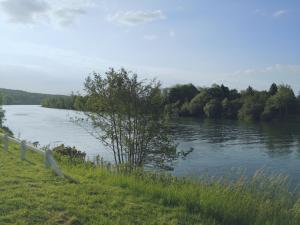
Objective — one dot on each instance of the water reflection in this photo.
(276, 139)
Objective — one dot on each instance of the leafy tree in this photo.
(233, 94)
(196, 106)
(182, 93)
(80, 102)
(230, 108)
(218, 92)
(127, 117)
(248, 92)
(281, 104)
(273, 89)
(213, 109)
(253, 105)
(60, 102)
(15, 97)
(185, 109)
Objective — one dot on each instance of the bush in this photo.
(182, 93)
(253, 105)
(230, 108)
(281, 104)
(213, 109)
(69, 152)
(197, 104)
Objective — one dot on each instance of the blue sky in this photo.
(52, 45)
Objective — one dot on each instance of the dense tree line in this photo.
(16, 97)
(218, 101)
(74, 102)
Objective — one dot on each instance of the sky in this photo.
(51, 46)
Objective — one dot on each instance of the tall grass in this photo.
(105, 196)
(259, 200)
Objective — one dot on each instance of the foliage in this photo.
(30, 194)
(219, 101)
(7, 131)
(2, 116)
(2, 113)
(197, 104)
(184, 109)
(273, 89)
(213, 109)
(15, 97)
(281, 104)
(181, 93)
(231, 108)
(127, 116)
(253, 105)
(70, 152)
(73, 102)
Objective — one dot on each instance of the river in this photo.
(218, 147)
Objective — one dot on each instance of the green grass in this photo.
(30, 194)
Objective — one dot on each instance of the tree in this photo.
(230, 108)
(218, 92)
(127, 117)
(196, 106)
(273, 89)
(248, 92)
(181, 93)
(281, 104)
(2, 113)
(185, 109)
(213, 109)
(253, 105)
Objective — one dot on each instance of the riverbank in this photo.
(30, 194)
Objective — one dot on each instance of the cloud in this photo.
(276, 68)
(133, 18)
(279, 13)
(24, 11)
(67, 16)
(261, 78)
(62, 12)
(150, 37)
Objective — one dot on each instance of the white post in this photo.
(50, 162)
(23, 150)
(5, 142)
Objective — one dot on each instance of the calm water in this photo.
(218, 146)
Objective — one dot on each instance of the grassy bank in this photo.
(30, 194)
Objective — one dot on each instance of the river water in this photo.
(218, 147)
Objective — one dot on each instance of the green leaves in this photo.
(129, 115)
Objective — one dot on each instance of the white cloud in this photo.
(133, 18)
(24, 11)
(150, 37)
(67, 16)
(279, 13)
(276, 68)
(63, 12)
(261, 78)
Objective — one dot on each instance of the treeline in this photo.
(16, 97)
(219, 101)
(74, 102)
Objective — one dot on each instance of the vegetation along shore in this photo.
(30, 194)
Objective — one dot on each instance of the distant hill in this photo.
(17, 97)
